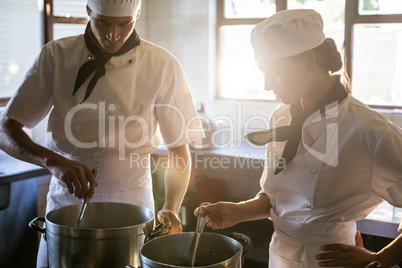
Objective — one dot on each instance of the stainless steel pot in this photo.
(110, 235)
(214, 251)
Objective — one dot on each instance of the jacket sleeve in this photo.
(33, 100)
(386, 172)
(175, 110)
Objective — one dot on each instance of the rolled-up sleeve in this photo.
(386, 175)
(33, 100)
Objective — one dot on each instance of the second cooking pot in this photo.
(214, 251)
(110, 235)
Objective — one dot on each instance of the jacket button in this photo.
(313, 171)
(89, 57)
(130, 61)
(308, 206)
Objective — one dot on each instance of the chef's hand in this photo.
(75, 175)
(170, 220)
(221, 215)
(345, 255)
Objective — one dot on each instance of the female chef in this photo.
(109, 94)
(336, 158)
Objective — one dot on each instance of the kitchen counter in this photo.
(12, 169)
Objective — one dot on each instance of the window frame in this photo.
(352, 17)
(49, 19)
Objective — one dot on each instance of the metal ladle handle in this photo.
(201, 220)
(85, 200)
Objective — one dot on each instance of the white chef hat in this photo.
(287, 33)
(115, 8)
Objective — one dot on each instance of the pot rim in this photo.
(100, 233)
(229, 261)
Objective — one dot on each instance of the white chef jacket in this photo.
(140, 83)
(347, 163)
(143, 94)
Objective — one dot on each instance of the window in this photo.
(238, 72)
(20, 42)
(64, 18)
(368, 32)
(380, 7)
(248, 8)
(22, 30)
(61, 30)
(376, 51)
(377, 63)
(238, 75)
(70, 8)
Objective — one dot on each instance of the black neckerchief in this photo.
(97, 65)
(293, 132)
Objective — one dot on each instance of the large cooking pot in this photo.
(214, 250)
(110, 235)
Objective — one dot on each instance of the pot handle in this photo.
(158, 230)
(244, 240)
(34, 225)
